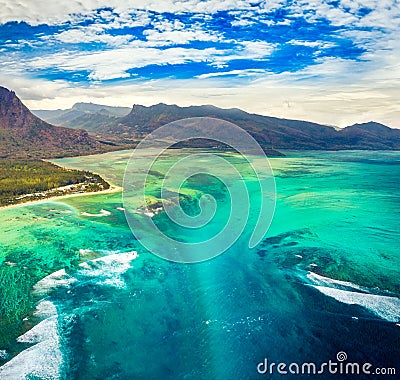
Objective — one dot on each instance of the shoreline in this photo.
(111, 189)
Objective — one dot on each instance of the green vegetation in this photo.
(20, 181)
(16, 299)
(24, 180)
(19, 272)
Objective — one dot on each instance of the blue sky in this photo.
(334, 62)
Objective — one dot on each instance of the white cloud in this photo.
(256, 49)
(242, 22)
(383, 12)
(164, 25)
(125, 18)
(177, 37)
(112, 64)
(56, 12)
(115, 62)
(167, 32)
(271, 5)
(315, 10)
(243, 18)
(312, 44)
(236, 73)
(90, 34)
(340, 93)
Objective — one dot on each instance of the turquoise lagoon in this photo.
(324, 279)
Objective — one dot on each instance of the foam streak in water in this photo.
(43, 360)
(100, 214)
(385, 307)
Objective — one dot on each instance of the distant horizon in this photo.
(212, 105)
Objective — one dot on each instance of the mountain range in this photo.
(270, 132)
(89, 116)
(110, 128)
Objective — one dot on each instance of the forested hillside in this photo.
(19, 178)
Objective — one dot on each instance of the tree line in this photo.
(19, 177)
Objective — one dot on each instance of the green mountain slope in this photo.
(89, 116)
(270, 132)
(24, 135)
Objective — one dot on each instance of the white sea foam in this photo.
(44, 359)
(102, 213)
(115, 282)
(39, 333)
(108, 269)
(326, 281)
(3, 354)
(383, 306)
(122, 258)
(116, 263)
(45, 309)
(52, 281)
(85, 251)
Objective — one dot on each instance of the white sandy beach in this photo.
(112, 189)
